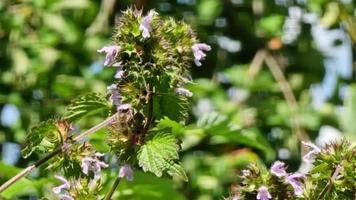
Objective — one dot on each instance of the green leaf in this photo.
(159, 154)
(173, 106)
(146, 186)
(177, 128)
(42, 137)
(87, 105)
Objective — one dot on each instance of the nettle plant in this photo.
(152, 56)
(332, 176)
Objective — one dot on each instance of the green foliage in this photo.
(43, 137)
(173, 106)
(87, 105)
(21, 187)
(347, 120)
(160, 154)
(147, 186)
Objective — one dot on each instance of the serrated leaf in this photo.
(176, 170)
(173, 106)
(159, 154)
(42, 137)
(177, 128)
(87, 105)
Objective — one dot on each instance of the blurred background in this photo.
(280, 71)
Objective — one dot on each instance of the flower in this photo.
(183, 91)
(92, 163)
(145, 25)
(126, 171)
(310, 155)
(297, 185)
(115, 95)
(198, 52)
(263, 193)
(278, 169)
(65, 185)
(124, 107)
(111, 53)
(65, 197)
(119, 74)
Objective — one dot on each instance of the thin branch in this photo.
(256, 63)
(113, 188)
(58, 150)
(288, 95)
(330, 182)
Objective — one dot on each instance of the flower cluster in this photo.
(92, 163)
(332, 162)
(151, 56)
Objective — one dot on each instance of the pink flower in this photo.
(310, 155)
(119, 74)
(126, 171)
(115, 94)
(297, 185)
(124, 107)
(198, 52)
(183, 91)
(263, 193)
(92, 163)
(65, 185)
(145, 25)
(111, 53)
(278, 169)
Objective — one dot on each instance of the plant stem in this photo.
(150, 110)
(330, 182)
(288, 95)
(256, 63)
(113, 188)
(58, 150)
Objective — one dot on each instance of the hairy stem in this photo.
(50, 155)
(330, 182)
(113, 188)
(150, 110)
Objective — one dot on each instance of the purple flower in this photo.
(65, 185)
(115, 94)
(198, 52)
(293, 181)
(145, 25)
(263, 193)
(278, 169)
(111, 53)
(65, 197)
(127, 172)
(124, 107)
(310, 155)
(93, 164)
(183, 91)
(119, 74)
